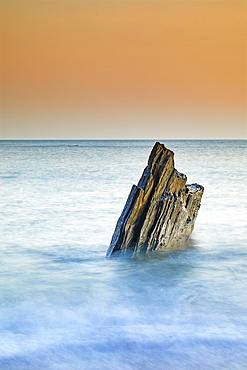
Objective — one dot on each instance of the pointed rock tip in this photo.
(162, 147)
(158, 147)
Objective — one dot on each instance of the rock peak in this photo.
(160, 211)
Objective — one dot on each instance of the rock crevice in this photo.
(160, 211)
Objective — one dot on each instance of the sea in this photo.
(65, 306)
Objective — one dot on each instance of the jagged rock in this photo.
(160, 211)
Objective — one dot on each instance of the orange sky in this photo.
(123, 69)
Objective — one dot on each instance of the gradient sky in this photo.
(123, 69)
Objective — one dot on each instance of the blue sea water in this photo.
(63, 305)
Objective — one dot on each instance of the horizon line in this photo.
(113, 139)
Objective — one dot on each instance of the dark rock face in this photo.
(160, 211)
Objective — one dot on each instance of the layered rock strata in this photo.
(160, 211)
